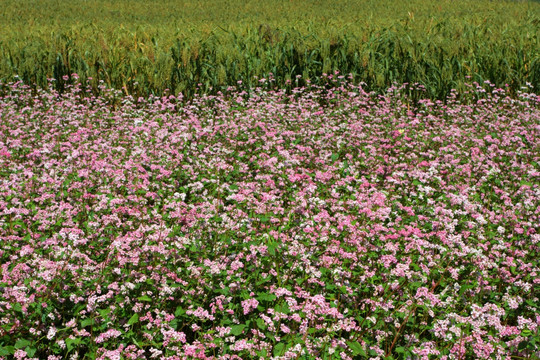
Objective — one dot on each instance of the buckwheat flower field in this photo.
(323, 223)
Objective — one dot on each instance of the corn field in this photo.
(208, 46)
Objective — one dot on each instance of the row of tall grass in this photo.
(207, 46)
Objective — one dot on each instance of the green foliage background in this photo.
(145, 47)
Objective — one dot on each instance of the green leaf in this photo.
(21, 343)
(356, 348)
(145, 298)
(237, 329)
(7, 350)
(278, 349)
(179, 311)
(104, 312)
(87, 322)
(266, 297)
(400, 350)
(136, 343)
(78, 309)
(30, 351)
(71, 343)
(262, 353)
(261, 324)
(283, 308)
(244, 294)
(133, 319)
(330, 286)
(272, 248)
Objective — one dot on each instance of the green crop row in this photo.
(205, 46)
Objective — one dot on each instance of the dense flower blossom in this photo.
(263, 223)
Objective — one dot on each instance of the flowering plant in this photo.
(317, 224)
